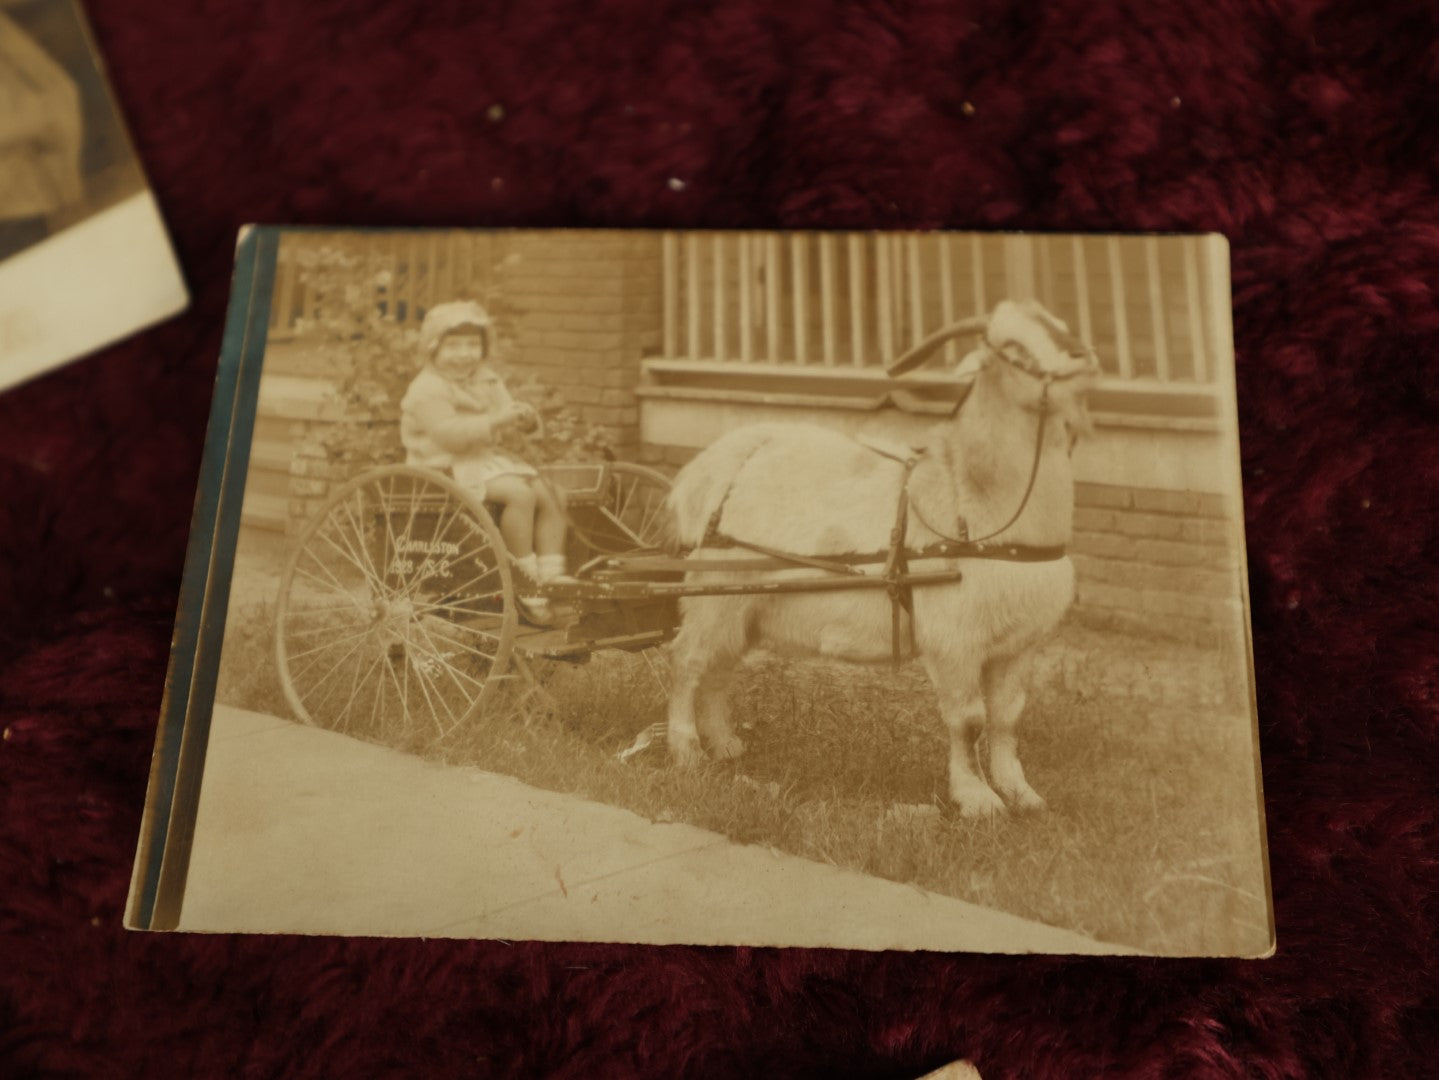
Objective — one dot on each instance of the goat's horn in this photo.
(922, 352)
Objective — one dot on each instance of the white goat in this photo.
(804, 489)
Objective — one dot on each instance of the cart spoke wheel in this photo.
(396, 615)
(631, 510)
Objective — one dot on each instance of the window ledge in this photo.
(1114, 402)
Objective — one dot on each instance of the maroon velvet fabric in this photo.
(1304, 131)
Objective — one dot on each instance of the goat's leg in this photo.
(961, 703)
(1004, 696)
(709, 643)
(714, 712)
(688, 664)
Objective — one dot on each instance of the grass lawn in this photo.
(1143, 751)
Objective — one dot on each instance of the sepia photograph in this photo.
(879, 591)
(84, 258)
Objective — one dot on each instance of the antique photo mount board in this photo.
(347, 748)
(85, 259)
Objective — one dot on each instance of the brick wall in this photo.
(1155, 561)
(589, 309)
(289, 474)
(311, 479)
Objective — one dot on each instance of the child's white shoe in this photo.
(535, 609)
(552, 570)
(529, 572)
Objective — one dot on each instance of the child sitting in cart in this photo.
(451, 419)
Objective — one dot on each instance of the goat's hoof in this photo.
(727, 748)
(1026, 800)
(977, 803)
(687, 753)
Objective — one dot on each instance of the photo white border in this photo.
(85, 288)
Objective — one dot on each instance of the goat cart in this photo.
(398, 609)
(398, 605)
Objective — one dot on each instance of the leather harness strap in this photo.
(896, 570)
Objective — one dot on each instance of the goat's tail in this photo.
(666, 539)
(701, 486)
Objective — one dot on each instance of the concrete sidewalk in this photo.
(302, 830)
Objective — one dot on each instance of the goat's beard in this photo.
(1073, 412)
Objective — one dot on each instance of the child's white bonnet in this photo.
(448, 317)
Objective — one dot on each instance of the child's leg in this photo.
(517, 519)
(549, 519)
(550, 533)
(517, 526)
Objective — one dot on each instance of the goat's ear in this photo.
(927, 348)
